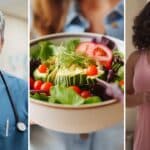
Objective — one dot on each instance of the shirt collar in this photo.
(120, 8)
(74, 13)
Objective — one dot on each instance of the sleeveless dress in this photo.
(141, 83)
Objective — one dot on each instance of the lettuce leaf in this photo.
(72, 44)
(63, 95)
(43, 50)
(93, 99)
(41, 96)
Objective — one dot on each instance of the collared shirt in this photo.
(113, 22)
(10, 137)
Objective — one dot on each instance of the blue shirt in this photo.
(10, 137)
(107, 139)
(113, 22)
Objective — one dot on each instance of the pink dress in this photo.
(141, 83)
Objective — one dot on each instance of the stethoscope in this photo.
(21, 126)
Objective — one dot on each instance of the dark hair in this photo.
(141, 29)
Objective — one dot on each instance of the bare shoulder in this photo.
(133, 58)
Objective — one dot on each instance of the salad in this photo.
(67, 73)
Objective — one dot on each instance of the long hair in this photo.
(141, 29)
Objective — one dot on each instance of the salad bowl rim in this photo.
(71, 35)
(71, 107)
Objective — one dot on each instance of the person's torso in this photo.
(141, 83)
(141, 80)
(112, 22)
(10, 137)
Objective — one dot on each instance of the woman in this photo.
(138, 78)
(98, 16)
(13, 107)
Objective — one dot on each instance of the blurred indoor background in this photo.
(13, 58)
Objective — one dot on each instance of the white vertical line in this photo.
(125, 9)
(28, 60)
(7, 128)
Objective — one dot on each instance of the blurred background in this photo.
(132, 9)
(13, 58)
(97, 16)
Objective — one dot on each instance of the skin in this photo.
(132, 99)
(97, 9)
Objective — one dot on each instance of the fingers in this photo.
(114, 91)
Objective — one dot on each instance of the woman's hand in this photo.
(114, 91)
(146, 97)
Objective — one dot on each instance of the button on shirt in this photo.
(10, 137)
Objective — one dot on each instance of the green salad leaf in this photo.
(120, 73)
(46, 50)
(63, 95)
(72, 44)
(35, 51)
(41, 96)
(93, 99)
(43, 50)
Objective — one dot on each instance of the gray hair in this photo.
(2, 25)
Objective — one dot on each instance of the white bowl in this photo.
(81, 119)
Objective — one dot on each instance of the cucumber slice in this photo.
(39, 76)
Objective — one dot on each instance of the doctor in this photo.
(13, 107)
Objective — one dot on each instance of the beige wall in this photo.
(132, 9)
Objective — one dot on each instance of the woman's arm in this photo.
(132, 99)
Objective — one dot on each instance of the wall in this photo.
(14, 55)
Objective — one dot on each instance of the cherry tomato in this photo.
(76, 89)
(31, 83)
(107, 65)
(121, 82)
(42, 68)
(37, 85)
(46, 87)
(85, 94)
(92, 70)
